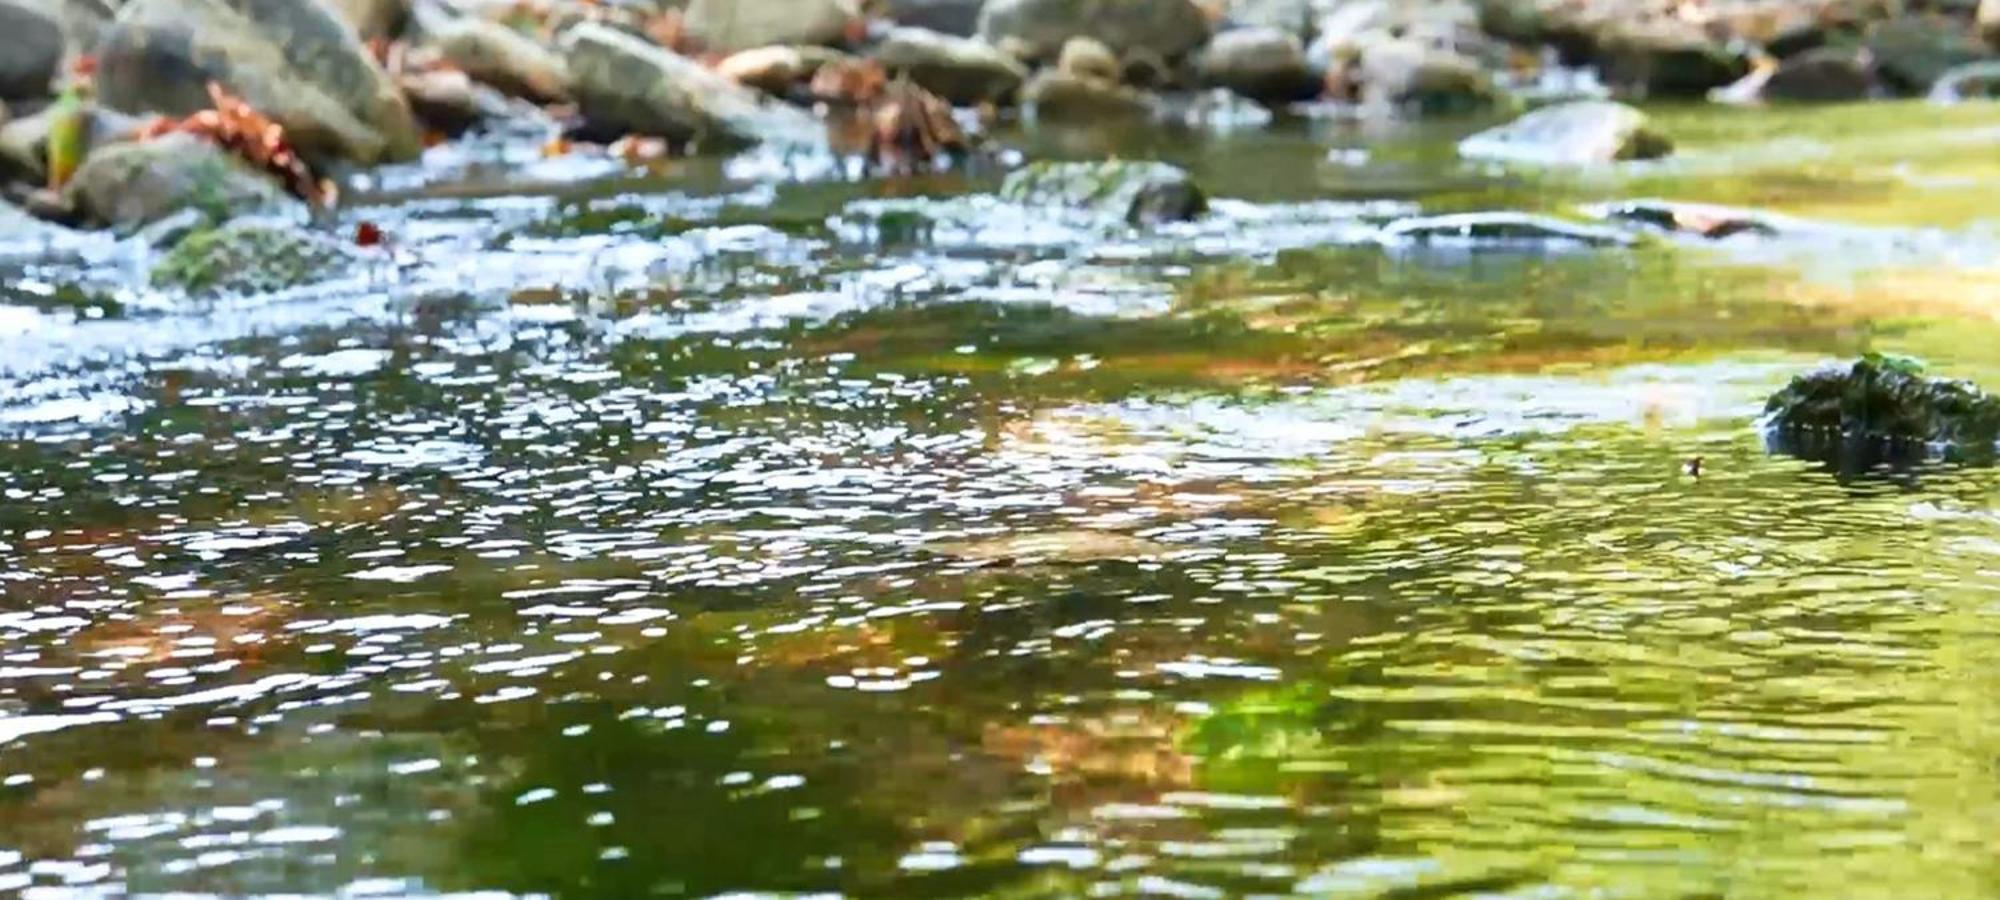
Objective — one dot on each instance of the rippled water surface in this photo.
(691, 539)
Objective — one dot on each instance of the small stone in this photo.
(773, 70)
(1139, 193)
(1085, 57)
(1056, 96)
(512, 62)
(627, 85)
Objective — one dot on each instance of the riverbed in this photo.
(741, 526)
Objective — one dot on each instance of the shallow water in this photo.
(690, 535)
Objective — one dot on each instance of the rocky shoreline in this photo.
(104, 99)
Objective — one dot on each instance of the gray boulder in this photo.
(960, 70)
(132, 184)
(959, 18)
(512, 62)
(1036, 29)
(291, 59)
(1139, 193)
(624, 83)
(1584, 132)
(1264, 64)
(731, 25)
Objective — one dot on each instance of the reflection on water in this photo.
(793, 557)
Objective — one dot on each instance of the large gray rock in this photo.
(960, 70)
(1584, 132)
(1036, 29)
(291, 59)
(732, 25)
(1264, 64)
(31, 50)
(624, 83)
(132, 184)
(491, 53)
(372, 18)
(959, 18)
(1140, 193)
(1913, 51)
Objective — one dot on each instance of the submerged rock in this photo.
(1886, 398)
(492, 53)
(1140, 193)
(1264, 64)
(961, 71)
(250, 257)
(1501, 228)
(132, 184)
(1035, 30)
(628, 85)
(1579, 133)
(290, 59)
(727, 26)
(1699, 219)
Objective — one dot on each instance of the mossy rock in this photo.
(1141, 193)
(1888, 398)
(250, 258)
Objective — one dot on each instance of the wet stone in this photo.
(1140, 193)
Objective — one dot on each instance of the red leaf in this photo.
(367, 234)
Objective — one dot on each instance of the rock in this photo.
(1055, 96)
(1139, 193)
(1264, 64)
(1913, 51)
(1293, 17)
(449, 102)
(250, 257)
(372, 18)
(625, 84)
(290, 59)
(1412, 76)
(31, 50)
(1085, 57)
(1885, 398)
(1825, 74)
(24, 141)
(1038, 28)
(960, 70)
(1987, 21)
(1980, 80)
(1667, 59)
(958, 18)
(512, 62)
(1698, 219)
(1500, 228)
(132, 184)
(1579, 133)
(731, 25)
(773, 70)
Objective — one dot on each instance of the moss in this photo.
(248, 258)
(1887, 397)
(1142, 193)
